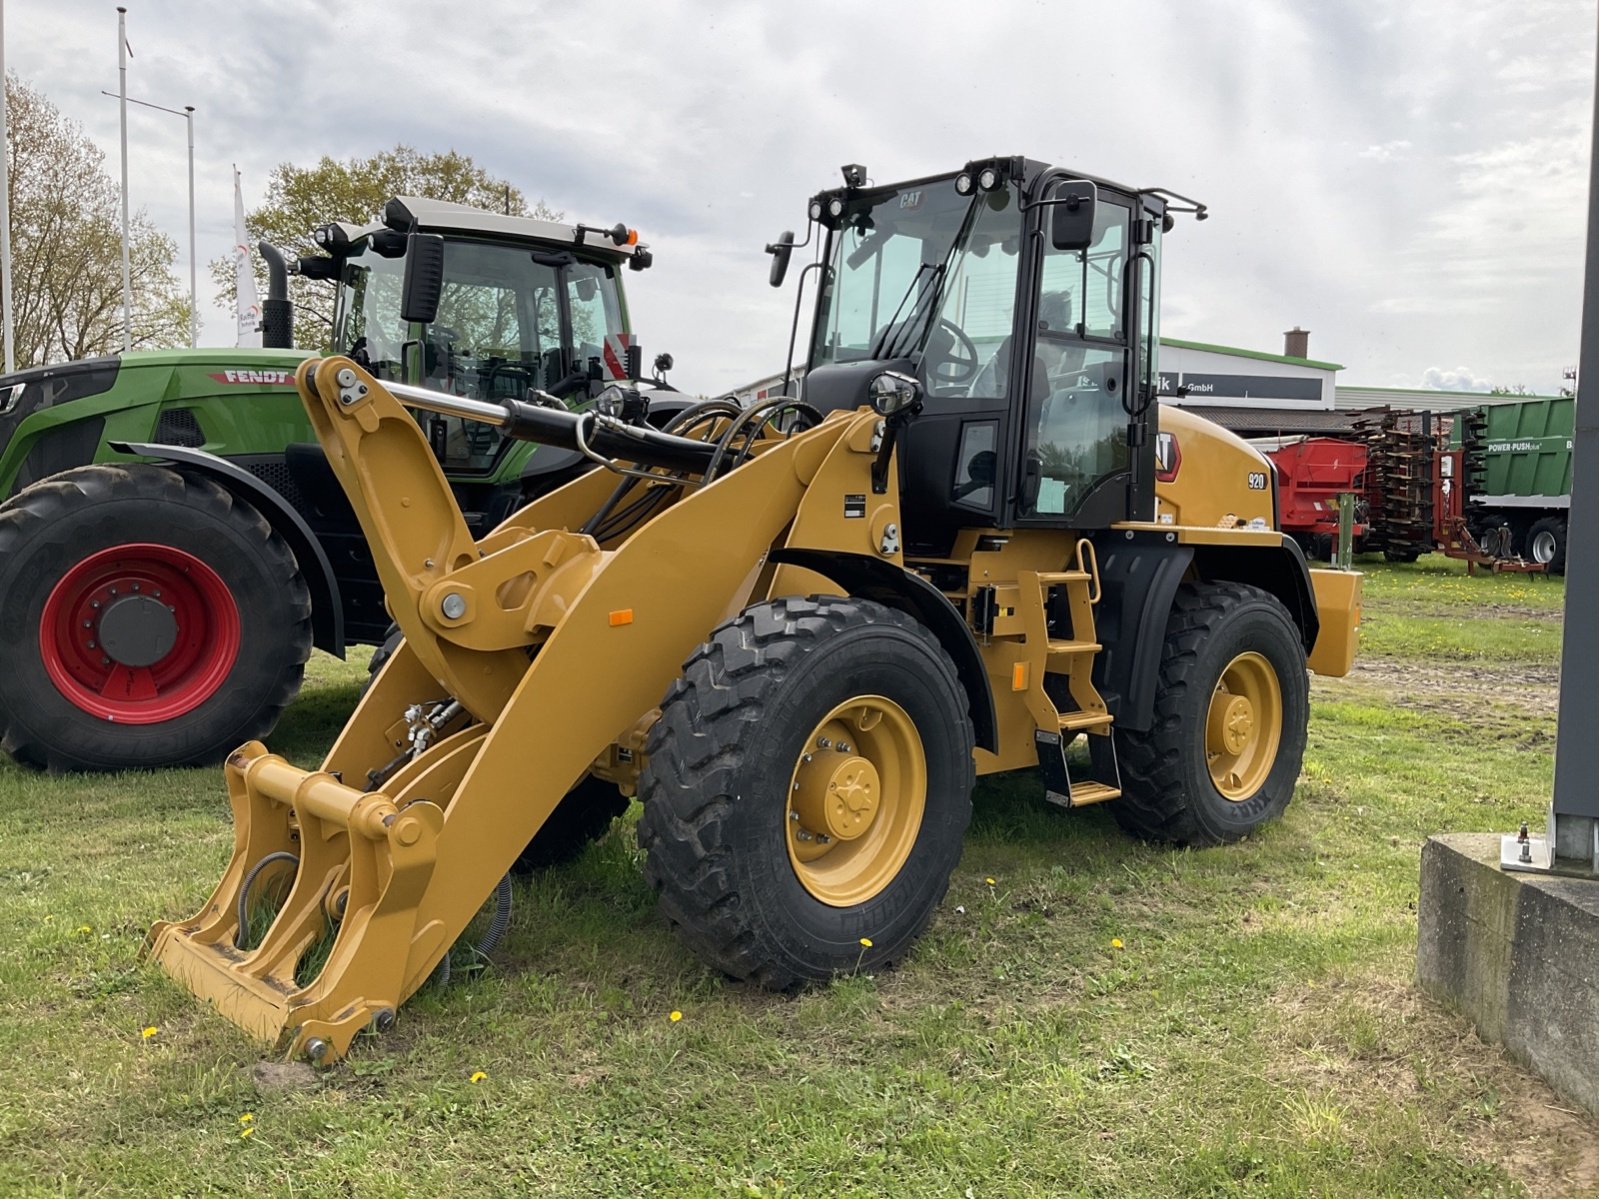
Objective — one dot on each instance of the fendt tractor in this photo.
(174, 543)
(797, 630)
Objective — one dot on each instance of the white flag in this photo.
(244, 276)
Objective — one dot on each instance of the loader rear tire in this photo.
(751, 734)
(583, 816)
(147, 619)
(1229, 730)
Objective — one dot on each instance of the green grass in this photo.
(1255, 1033)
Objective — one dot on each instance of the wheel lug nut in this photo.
(136, 587)
(88, 624)
(822, 743)
(793, 816)
(842, 747)
(91, 645)
(805, 758)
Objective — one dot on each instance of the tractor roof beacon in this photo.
(219, 498)
(974, 541)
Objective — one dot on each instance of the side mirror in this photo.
(1072, 215)
(780, 251)
(424, 278)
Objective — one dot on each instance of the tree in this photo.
(299, 199)
(66, 252)
(1516, 389)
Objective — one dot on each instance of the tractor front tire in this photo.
(1223, 750)
(808, 788)
(147, 619)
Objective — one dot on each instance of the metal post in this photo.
(194, 294)
(5, 207)
(1344, 542)
(122, 90)
(1572, 841)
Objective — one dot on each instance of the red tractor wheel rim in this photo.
(139, 634)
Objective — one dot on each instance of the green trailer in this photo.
(173, 542)
(1521, 480)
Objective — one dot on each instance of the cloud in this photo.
(1408, 181)
(1457, 379)
(1387, 151)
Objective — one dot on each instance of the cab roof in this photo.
(444, 216)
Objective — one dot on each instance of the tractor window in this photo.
(592, 298)
(968, 351)
(1087, 287)
(370, 303)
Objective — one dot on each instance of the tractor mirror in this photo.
(424, 278)
(1072, 215)
(780, 251)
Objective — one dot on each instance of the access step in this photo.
(1077, 722)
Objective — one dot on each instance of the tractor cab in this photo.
(483, 306)
(1021, 299)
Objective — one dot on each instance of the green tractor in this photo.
(173, 542)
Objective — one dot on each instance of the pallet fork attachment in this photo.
(555, 647)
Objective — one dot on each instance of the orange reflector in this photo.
(1019, 677)
(633, 237)
(621, 616)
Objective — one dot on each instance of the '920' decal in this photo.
(1256, 481)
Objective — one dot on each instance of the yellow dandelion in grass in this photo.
(478, 1077)
(148, 1032)
(246, 1118)
(867, 942)
(247, 1131)
(674, 1015)
(989, 879)
(1116, 943)
(84, 930)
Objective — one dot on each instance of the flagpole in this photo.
(122, 91)
(194, 294)
(5, 207)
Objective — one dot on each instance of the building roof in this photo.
(1431, 399)
(1276, 421)
(1236, 352)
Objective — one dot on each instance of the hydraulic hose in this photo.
(276, 856)
(498, 924)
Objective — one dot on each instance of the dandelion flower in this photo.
(674, 1015)
(867, 942)
(148, 1032)
(478, 1077)
(1116, 943)
(989, 880)
(247, 1131)
(85, 929)
(246, 1118)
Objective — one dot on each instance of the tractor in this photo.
(796, 631)
(174, 543)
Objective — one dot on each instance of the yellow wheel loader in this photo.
(797, 630)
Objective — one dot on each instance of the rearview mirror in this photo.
(780, 251)
(424, 278)
(1072, 215)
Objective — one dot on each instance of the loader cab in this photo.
(1031, 335)
(514, 316)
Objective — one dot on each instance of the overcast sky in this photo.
(1406, 180)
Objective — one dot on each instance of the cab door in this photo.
(1074, 454)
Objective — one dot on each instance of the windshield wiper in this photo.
(887, 343)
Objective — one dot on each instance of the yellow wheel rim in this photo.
(856, 799)
(1244, 726)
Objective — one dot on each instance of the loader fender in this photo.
(327, 606)
(1280, 570)
(893, 587)
(1139, 576)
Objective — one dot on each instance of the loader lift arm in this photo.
(405, 867)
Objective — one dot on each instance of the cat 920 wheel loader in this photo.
(797, 631)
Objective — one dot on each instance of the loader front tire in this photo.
(147, 619)
(1223, 750)
(808, 788)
